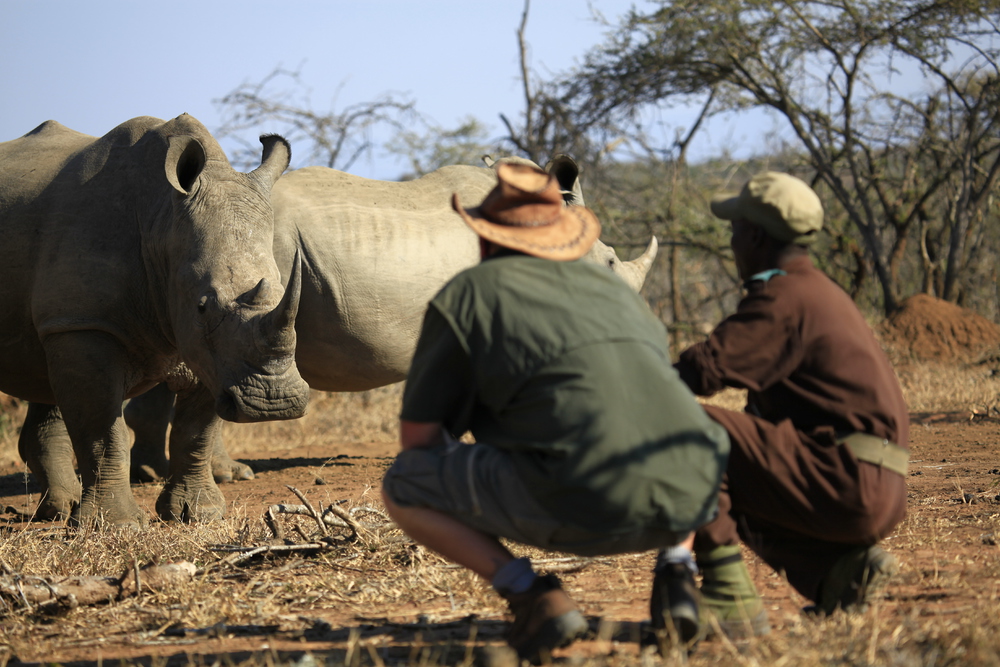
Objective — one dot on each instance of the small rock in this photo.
(989, 539)
(969, 499)
(319, 481)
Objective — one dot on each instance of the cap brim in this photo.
(726, 206)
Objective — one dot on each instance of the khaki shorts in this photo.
(478, 485)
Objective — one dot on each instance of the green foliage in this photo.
(914, 172)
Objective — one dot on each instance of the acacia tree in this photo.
(332, 138)
(826, 68)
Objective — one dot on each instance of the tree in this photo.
(437, 146)
(334, 139)
(827, 69)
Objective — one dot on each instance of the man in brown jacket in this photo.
(816, 476)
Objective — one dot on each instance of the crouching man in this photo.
(587, 442)
(817, 472)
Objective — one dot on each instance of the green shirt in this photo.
(563, 365)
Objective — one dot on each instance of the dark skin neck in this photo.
(755, 251)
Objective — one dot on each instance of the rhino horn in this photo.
(259, 295)
(278, 326)
(637, 268)
(276, 157)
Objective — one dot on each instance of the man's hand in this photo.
(419, 434)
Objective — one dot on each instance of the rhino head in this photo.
(232, 321)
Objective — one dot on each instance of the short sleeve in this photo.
(439, 386)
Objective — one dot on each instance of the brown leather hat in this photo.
(525, 212)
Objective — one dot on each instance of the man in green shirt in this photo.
(587, 441)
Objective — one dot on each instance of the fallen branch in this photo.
(72, 592)
(332, 515)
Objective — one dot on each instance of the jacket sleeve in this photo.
(755, 348)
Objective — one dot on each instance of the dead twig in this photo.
(310, 509)
(243, 554)
(69, 592)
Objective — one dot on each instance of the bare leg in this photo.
(470, 548)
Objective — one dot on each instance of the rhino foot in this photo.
(107, 508)
(191, 501)
(58, 504)
(226, 469)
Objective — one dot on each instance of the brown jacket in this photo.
(805, 353)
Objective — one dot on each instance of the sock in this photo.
(676, 554)
(514, 577)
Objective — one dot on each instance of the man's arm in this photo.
(752, 349)
(413, 435)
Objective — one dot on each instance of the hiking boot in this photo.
(729, 596)
(545, 618)
(674, 601)
(856, 577)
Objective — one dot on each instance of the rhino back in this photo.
(374, 254)
(28, 165)
(70, 258)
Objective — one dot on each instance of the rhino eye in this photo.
(611, 263)
(202, 304)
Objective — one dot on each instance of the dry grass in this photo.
(405, 606)
(414, 608)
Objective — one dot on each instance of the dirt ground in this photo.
(947, 548)
(947, 591)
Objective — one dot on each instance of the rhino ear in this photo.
(567, 174)
(186, 158)
(275, 159)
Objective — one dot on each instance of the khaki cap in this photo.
(784, 206)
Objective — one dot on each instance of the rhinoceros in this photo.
(373, 255)
(129, 260)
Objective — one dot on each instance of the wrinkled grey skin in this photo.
(129, 260)
(373, 253)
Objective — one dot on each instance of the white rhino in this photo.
(373, 254)
(127, 260)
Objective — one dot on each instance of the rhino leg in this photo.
(87, 371)
(190, 493)
(148, 415)
(45, 446)
(224, 467)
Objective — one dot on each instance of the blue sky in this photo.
(91, 65)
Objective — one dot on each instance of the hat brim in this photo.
(569, 237)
